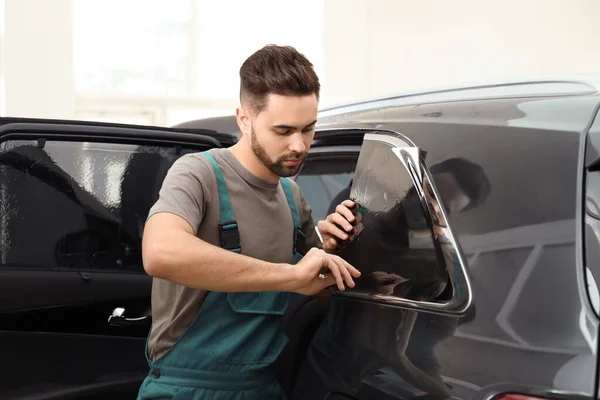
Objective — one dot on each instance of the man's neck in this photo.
(244, 154)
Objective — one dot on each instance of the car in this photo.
(477, 232)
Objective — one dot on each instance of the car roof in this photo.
(572, 85)
(516, 88)
(224, 124)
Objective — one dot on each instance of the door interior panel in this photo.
(65, 302)
(63, 365)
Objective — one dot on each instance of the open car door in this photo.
(74, 297)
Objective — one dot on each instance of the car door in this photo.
(377, 340)
(74, 297)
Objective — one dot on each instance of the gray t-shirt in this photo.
(265, 225)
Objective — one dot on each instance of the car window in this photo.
(322, 180)
(73, 206)
(401, 239)
(393, 224)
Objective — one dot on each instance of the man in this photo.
(222, 240)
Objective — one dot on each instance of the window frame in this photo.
(401, 145)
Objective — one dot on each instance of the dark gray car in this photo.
(477, 235)
(478, 247)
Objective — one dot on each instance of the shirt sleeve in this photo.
(183, 190)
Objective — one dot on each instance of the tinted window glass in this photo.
(324, 181)
(392, 242)
(69, 206)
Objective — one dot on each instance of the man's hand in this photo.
(317, 262)
(330, 228)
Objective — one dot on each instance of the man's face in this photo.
(282, 133)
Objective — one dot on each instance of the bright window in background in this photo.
(184, 48)
(131, 47)
(118, 116)
(231, 30)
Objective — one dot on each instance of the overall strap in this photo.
(300, 246)
(229, 234)
(289, 195)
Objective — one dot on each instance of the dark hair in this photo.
(276, 69)
(470, 177)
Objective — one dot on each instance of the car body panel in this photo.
(531, 326)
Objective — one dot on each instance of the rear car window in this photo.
(324, 181)
(77, 206)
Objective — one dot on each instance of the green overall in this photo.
(228, 350)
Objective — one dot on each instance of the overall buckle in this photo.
(229, 236)
(300, 245)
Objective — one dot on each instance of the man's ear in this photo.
(243, 120)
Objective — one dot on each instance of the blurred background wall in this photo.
(164, 62)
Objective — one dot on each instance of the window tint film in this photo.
(392, 242)
(73, 206)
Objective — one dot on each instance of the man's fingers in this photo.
(340, 221)
(344, 272)
(349, 203)
(351, 270)
(335, 272)
(329, 228)
(345, 212)
(330, 281)
(339, 272)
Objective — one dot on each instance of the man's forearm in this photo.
(184, 259)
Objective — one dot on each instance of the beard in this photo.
(277, 167)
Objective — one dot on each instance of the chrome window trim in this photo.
(462, 293)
